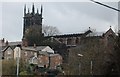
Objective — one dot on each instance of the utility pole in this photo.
(91, 67)
(17, 66)
(79, 56)
(17, 57)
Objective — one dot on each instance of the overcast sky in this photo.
(68, 17)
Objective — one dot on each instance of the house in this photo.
(28, 52)
(43, 59)
(7, 53)
(49, 60)
(43, 56)
(55, 60)
(47, 49)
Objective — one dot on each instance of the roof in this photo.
(72, 35)
(5, 48)
(110, 30)
(54, 55)
(38, 48)
(68, 35)
(43, 53)
(96, 34)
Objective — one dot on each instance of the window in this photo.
(31, 52)
(9, 52)
(77, 40)
(35, 54)
(25, 53)
(69, 41)
(40, 61)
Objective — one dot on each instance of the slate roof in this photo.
(38, 48)
(5, 48)
(72, 35)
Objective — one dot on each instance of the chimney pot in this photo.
(34, 45)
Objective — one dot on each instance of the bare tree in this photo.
(50, 30)
(116, 29)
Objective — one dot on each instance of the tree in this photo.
(34, 36)
(50, 30)
(117, 51)
(8, 67)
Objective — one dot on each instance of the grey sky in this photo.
(68, 17)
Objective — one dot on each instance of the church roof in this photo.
(73, 35)
(68, 35)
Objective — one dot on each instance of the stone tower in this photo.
(32, 19)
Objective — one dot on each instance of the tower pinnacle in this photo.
(37, 10)
(25, 10)
(41, 9)
(33, 9)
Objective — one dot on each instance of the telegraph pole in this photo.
(17, 57)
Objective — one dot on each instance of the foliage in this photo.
(92, 50)
(117, 52)
(23, 73)
(8, 67)
(50, 30)
(34, 36)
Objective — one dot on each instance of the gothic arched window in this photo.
(69, 41)
(77, 41)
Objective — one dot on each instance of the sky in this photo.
(68, 17)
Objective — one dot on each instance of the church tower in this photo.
(32, 20)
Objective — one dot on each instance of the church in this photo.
(32, 31)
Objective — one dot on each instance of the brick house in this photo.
(43, 56)
(55, 60)
(49, 60)
(30, 52)
(43, 59)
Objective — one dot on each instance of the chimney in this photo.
(34, 45)
(3, 40)
(6, 43)
(51, 39)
